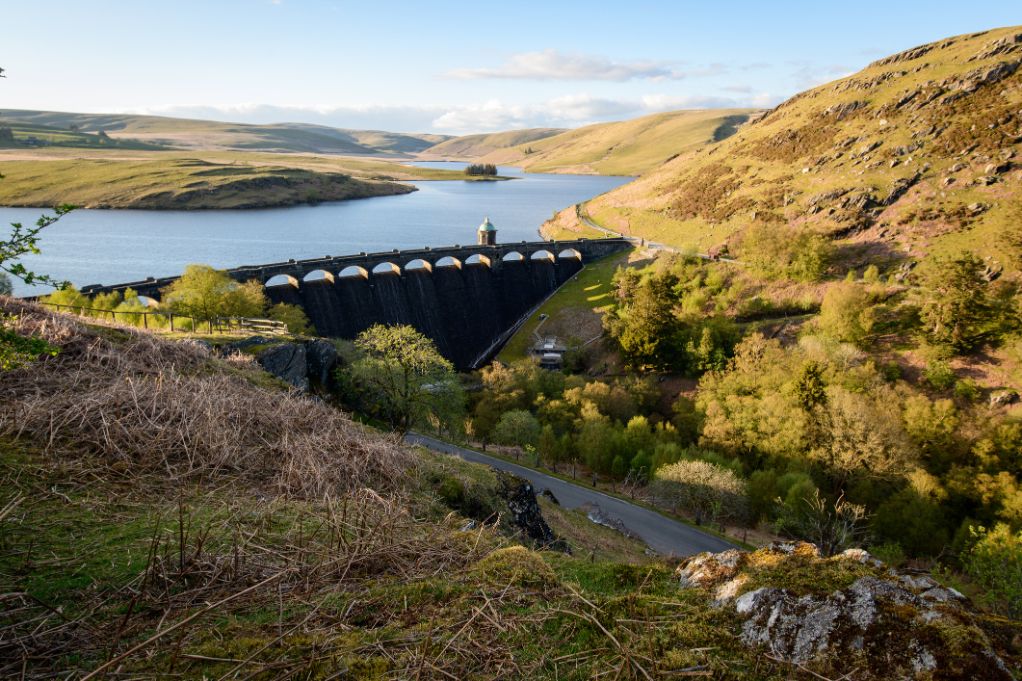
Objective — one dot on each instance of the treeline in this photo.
(201, 294)
(857, 428)
(481, 169)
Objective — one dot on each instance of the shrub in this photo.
(940, 375)
(292, 315)
(707, 490)
(995, 562)
(847, 313)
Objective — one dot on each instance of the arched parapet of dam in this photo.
(478, 259)
(542, 254)
(570, 254)
(416, 265)
(512, 256)
(386, 268)
(448, 261)
(317, 276)
(353, 271)
(282, 280)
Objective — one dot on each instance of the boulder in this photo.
(881, 623)
(287, 362)
(525, 513)
(1002, 398)
(322, 358)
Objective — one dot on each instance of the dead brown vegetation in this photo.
(146, 405)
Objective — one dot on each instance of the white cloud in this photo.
(567, 111)
(551, 64)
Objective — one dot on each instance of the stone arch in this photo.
(353, 271)
(319, 275)
(418, 264)
(569, 253)
(387, 268)
(281, 280)
(448, 261)
(542, 255)
(148, 301)
(478, 259)
(513, 256)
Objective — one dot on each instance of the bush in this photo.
(705, 489)
(786, 252)
(940, 375)
(914, 522)
(6, 287)
(995, 562)
(292, 315)
(847, 313)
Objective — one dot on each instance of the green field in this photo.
(469, 147)
(161, 180)
(575, 310)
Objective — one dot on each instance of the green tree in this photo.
(403, 372)
(207, 293)
(995, 562)
(847, 313)
(957, 303)
(517, 428)
(292, 315)
(646, 328)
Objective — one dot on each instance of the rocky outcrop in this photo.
(847, 612)
(288, 362)
(304, 365)
(525, 514)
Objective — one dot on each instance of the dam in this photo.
(465, 298)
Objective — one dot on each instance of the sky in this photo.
(450, 67)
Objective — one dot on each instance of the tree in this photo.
(6, 285)
(292, 315)
(206, 293)
(517, 428)
(24, 241)
(957, 305)
(709, 491)
(647, 329)
(847, 313)
(995, 562)
(403, 372)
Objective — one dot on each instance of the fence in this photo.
(178, 322)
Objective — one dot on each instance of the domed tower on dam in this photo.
(487, 233)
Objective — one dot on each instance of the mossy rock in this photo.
(515, 565)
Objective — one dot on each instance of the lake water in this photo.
(112, 246)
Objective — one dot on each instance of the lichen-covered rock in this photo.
(888, 625)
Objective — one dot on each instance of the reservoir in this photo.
(111, 246)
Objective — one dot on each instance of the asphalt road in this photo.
(661, 533)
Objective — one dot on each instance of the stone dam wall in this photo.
(462, 297)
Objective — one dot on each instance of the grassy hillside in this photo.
(470, 147)
(183, 133)
(160, 180)
(915, 154)
(621, 148)
(167, 513)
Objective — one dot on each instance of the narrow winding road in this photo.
(667, 536)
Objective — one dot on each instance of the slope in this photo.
(622, 148)
(470, 147)
(185, 133)
(915, 154)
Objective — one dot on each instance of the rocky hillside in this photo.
(915, 154)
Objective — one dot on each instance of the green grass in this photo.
(620, 148)
(581, 298)
(468, 147)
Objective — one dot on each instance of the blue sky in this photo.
(450, 67)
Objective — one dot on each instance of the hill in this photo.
(471, 147)
(621, 148)
(185, 133)
(169, 512)
(106, 178)
(915, 154)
